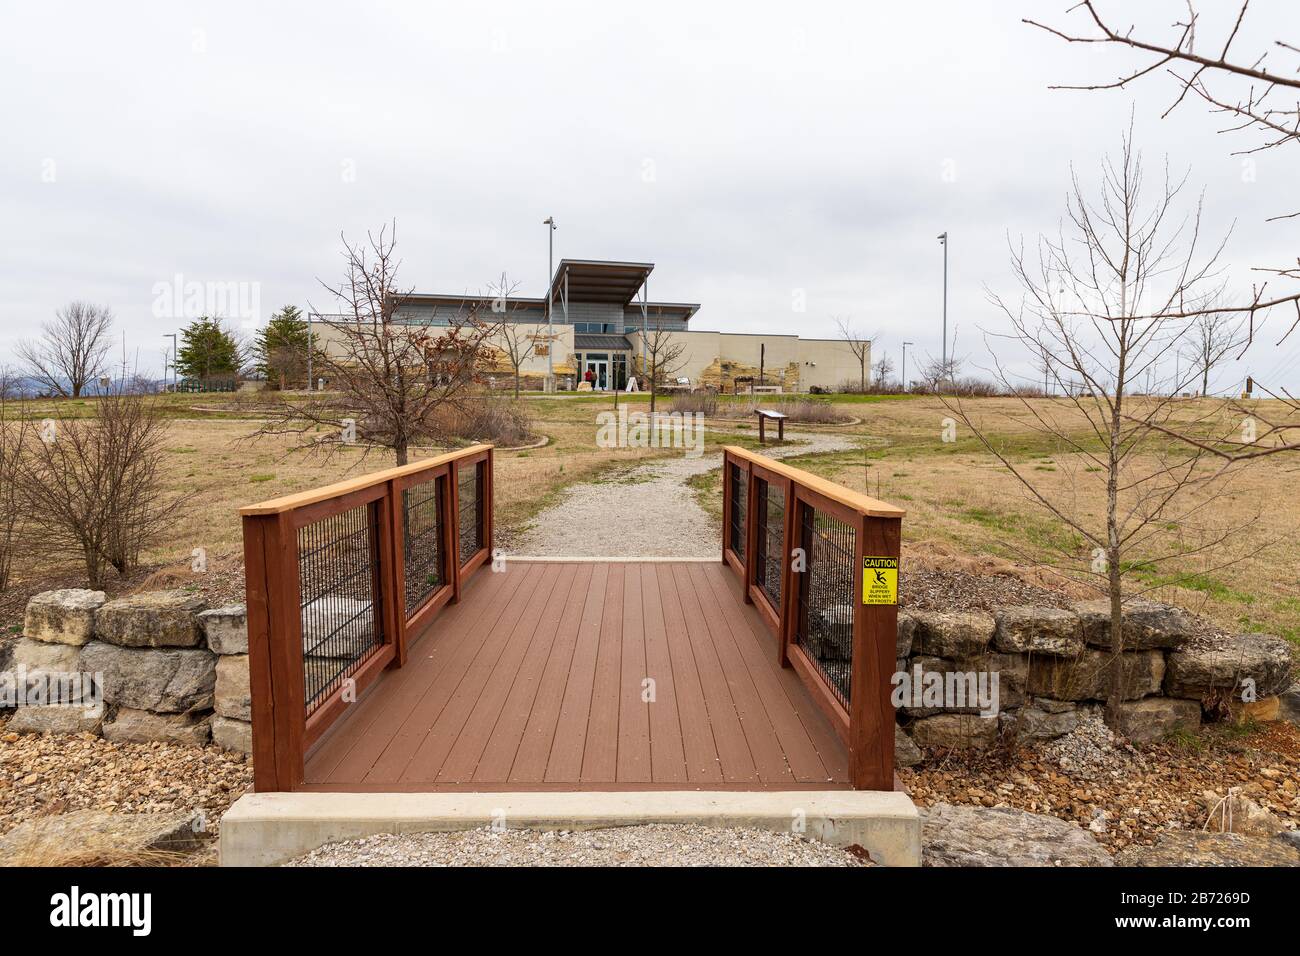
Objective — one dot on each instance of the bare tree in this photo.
(1212, 337)
(882, 370)
(71, 350)
(13, 435)
(938, 375)
(390, 376)
(1103, 303)
(93, 487)
(859, 344)
(665, 356)
(513, 339)
(1248, 92)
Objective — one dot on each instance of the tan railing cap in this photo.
(829, 489)
(339, 488)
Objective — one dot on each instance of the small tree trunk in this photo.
(516, 383)
(1116, 678)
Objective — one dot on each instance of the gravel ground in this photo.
(608, 518)
(651, 845)
(42, 774)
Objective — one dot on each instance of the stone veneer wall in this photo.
(173, 669)
(1053, 667)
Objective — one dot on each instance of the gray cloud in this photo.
(749, 150)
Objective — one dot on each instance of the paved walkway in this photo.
(649, 511)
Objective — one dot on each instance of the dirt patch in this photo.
(1125, 794)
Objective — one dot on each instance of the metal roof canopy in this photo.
(599, 280)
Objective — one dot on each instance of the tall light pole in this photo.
(549, 221)
(903, 375)
(943, 240)
(310, 349)
(172, 336)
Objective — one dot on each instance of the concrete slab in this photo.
(267, 829)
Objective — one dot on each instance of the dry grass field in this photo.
(962, 504)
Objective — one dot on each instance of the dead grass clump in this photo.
(498, 421)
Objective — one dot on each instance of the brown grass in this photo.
(963, 509)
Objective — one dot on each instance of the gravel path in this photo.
(650, 845)
(648, 511)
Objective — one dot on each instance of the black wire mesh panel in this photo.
(739, 503)
(422, 541)
(824, 624)
(338, 579)
(769, 562)
(468, 486)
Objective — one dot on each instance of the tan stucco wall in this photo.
(714, 358)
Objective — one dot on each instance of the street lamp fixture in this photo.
(549, 221)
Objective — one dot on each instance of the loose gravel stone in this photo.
(651, 506)
(650, 845)
(45, 774)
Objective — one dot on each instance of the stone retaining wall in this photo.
(1053, 669)
(176, 670)
(171, 668)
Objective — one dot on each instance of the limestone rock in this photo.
(960, 695)
(226, 629)
(1043, 719)
(955, 731)
(1038, 630)
(53, 670)
(8, 642)
(953, 634)
(1223, 662)
(56, 719)
(104, 837)
(1262, 711)
(232, 734)
(1087, 676)
(1290, 704)
(37, 655)
(1235, 812)
(906, 753)
(234, 697)
(163, 680)
(906, 634)
(1145, 625)
(156, 619)
(1144, 721)
(132, 726)
(65, 616)
(1199, 848)
(976, 836)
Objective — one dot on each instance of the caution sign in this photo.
(880, 580)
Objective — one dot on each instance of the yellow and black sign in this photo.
(880, 580)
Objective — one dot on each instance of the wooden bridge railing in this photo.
(820, 564)
(340, 579)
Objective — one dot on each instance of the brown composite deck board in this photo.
(667, 756)
(535, 680)
(534, 749)
(503, 650)
(353, 745)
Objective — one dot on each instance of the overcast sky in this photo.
(755, 153)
